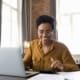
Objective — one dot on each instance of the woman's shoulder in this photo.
(34, 42)
(59, 44)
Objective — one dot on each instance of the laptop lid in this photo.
(11, 62)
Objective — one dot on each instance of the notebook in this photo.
(11, 63)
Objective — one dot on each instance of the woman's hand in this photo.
(56, 65)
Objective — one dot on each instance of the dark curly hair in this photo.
(45, 19)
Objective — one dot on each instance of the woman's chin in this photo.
(45, 40)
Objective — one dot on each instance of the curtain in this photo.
(53, 13)
(26, 20)
(0, 19)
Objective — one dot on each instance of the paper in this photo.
(47, 77)
(60, 76)
(70, 75)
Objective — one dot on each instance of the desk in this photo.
(58, 76)
(11, 78)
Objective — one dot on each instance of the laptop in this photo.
(11, 63)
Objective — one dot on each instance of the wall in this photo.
(39, 7)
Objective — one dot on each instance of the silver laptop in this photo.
(11, 63)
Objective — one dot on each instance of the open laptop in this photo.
(11, 63)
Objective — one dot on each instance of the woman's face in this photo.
(45, 32)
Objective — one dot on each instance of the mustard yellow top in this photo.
(35, 57)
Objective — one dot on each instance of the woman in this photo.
(46, 54)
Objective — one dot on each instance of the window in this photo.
(11, 23)
(68, 23)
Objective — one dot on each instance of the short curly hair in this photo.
(45, 19)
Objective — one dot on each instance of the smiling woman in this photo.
(45, 53)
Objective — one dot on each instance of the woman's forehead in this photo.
(45, 26)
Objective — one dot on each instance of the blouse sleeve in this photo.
(68, 62)
(27, 59)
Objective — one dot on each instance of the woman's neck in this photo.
(47, 43)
